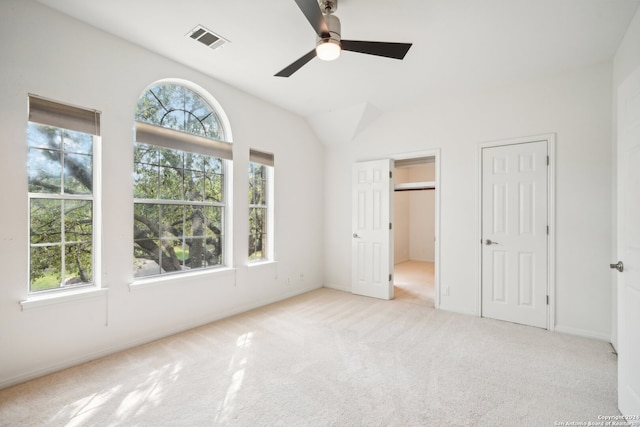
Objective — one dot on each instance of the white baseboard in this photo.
(337, 287)
(413, 259)
(455, 309)
(582, 333)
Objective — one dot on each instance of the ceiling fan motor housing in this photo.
(334, 30)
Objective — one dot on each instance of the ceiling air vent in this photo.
(207, 37)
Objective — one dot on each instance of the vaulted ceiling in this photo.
(457, 44)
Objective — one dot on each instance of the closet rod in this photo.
(414, 189)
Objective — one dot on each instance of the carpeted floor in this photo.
(413, 282)
(332, 358)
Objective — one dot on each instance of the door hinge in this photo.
(390, 174)
(547, 160)
(547, 230)
(547, 299)
(390, 227)
(390, 277)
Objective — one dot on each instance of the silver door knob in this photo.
(355, 236)
(490, 242)
(618, 266)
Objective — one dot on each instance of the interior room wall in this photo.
(422, 219)
(576, 106)
(54, 56)
(625, 62)
(627, 58)
(414, 216)
(401, 218)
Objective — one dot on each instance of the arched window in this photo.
(176, 107)
(180, 190)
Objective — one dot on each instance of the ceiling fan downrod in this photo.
(329, 6)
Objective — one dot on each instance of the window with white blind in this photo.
(260, 206)
(181, 163)
(63, 141)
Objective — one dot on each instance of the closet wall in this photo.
(414, 215)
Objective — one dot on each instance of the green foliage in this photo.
(257, 211)
(179, 236)
(60, 161)
(176, 107)
(61, 229)
(178, 221)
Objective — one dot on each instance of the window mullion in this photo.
(177, 202)
(63, 252)
(60, 196)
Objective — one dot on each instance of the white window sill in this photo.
(62, 297)
(261, 264)
(169, 279)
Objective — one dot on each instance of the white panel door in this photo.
(628, 146)
(514, 233)
(372, 258)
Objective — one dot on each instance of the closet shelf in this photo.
(409, 186)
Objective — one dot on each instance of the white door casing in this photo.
(628, 234)
(514, 227)
(372, 215)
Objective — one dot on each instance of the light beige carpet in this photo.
(332, 358)
(413, 282)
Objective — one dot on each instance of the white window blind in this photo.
(177, 140)
(51, 113)
(261, 157)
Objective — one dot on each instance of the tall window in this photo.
(180, 162)
(260, 206)
(60, 168)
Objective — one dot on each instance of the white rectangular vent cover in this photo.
(207, 37)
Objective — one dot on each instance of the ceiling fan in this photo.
(328, 42)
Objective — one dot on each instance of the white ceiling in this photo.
(457, 44)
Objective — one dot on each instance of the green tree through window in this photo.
(258, 211)
(61, 141)
(261, 245)
(179, 186)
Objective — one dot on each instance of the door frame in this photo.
(550, 138)
(435, 153)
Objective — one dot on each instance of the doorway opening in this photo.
(414, 241)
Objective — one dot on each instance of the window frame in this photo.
(185, 142)
(67, 117)
(265, 160)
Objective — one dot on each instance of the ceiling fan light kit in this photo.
(329, 48)
(329, 43)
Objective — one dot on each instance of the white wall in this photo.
(625, 62)
(627, 58)
(414, 216)
(401, 218)
(422, 206)
(49, 54)
(576, 105)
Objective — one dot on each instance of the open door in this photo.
(372, 257)
(629, 246)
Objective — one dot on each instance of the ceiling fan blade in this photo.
(287, 71)
(388, 50)
(312, 12)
